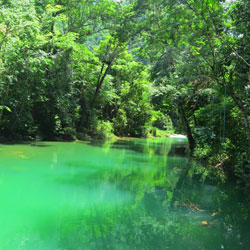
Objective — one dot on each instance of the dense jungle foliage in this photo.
(93, 68)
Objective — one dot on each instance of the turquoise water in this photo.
(125, 194)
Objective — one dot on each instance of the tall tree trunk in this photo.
(187, 127)
(85, 116)
(100, 82)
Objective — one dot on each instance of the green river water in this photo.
(126, 194)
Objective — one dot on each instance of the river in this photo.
(124, 194)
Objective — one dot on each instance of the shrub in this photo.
(104, 130)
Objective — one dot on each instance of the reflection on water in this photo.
(125, 194)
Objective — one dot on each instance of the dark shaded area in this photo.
(39, 145)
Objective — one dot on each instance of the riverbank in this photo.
(4, 140)
(177, 136)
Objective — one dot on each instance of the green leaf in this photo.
(2, 107)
